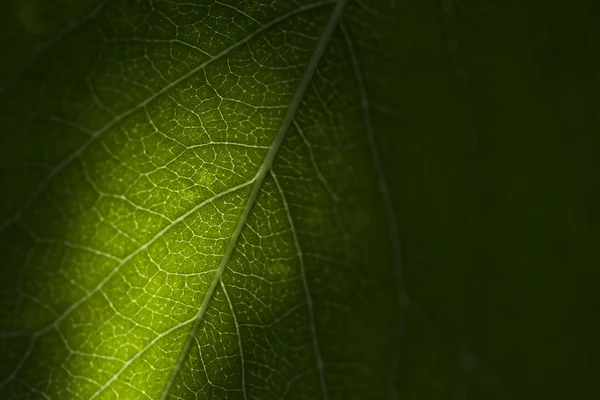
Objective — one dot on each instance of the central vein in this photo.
(258, 182)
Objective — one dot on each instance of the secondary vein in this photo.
(307, 293)
(403, 298)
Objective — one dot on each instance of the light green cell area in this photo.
(87, 372)
(131, 319)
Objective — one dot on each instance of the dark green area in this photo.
(494, 169)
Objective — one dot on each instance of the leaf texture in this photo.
(179, 236)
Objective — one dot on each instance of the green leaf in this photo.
(230, 200)
(189, 229)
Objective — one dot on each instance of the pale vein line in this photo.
(309, 302)
(22, 361)
(238, 10)
(32, 389)
(403, 298)
(311, 154)
(77, 153)
(138, 355)
(260, 177)
(77, 246)
(239, 336)
(84, 298)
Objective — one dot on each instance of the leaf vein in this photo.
(259, 180)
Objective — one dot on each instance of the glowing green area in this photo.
(179, 132)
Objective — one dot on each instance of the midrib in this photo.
(258, 182)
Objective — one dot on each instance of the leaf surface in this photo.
(180, 233)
